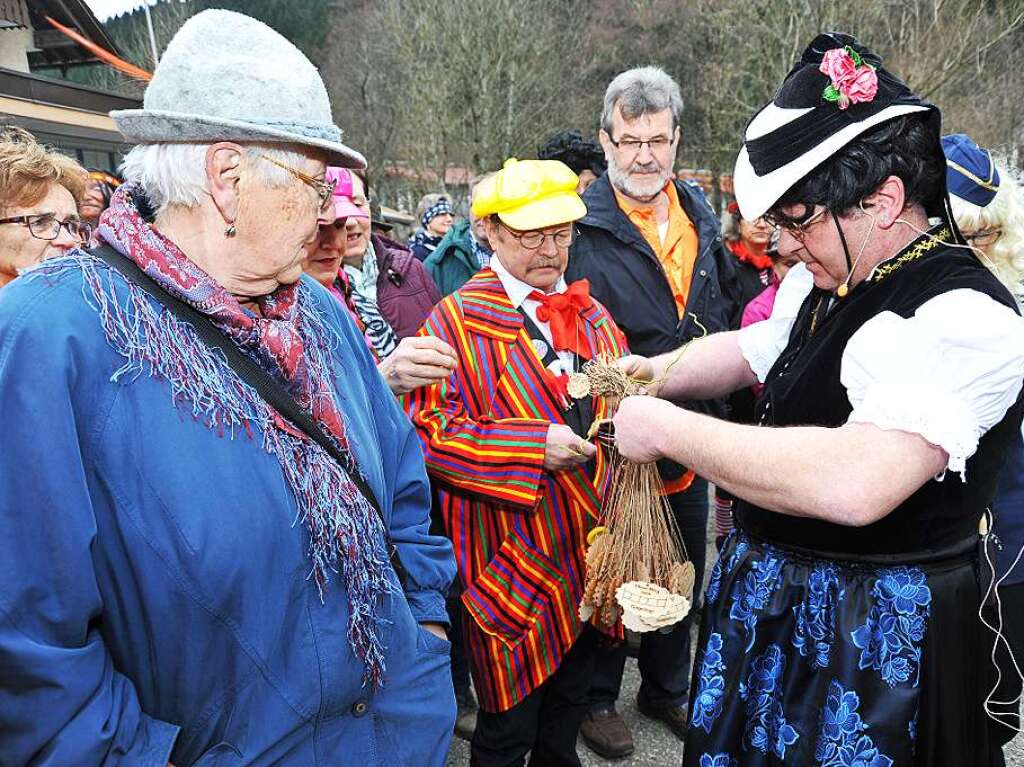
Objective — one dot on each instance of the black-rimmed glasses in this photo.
(633, 146)
(533, 239)
(324, 189)
(46, 226)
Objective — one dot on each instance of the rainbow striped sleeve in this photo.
(499, 460)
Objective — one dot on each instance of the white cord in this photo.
(863, 244)
(976, 250)
(993, 588)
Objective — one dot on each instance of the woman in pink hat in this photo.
(387, 291)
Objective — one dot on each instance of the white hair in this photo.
(1006, 213)
(641, 91)
(175, 174)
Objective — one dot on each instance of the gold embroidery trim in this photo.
(814, 315)
(924, 246)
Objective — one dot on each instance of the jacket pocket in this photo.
(514, 591)
(221, 755)
(428, 642)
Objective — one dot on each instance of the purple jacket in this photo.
(405, 293)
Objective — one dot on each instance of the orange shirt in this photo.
(678, 253)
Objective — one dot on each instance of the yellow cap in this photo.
(530, 194)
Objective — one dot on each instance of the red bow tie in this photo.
(561, 311)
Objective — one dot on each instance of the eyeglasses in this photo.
(324, 189)
(46, 226)
(797, 228)
(632, 146)
(983, 236)
(533, 239)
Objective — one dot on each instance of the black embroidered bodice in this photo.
(803, 388)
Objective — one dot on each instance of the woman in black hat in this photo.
(841, 623)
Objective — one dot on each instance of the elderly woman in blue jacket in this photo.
(185, 576)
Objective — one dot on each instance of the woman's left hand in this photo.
(436, 629)
(418, 361)
(639, 424)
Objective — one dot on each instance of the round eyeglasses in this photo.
(533, 239)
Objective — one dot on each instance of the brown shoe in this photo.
(676, 717)
(606, 734)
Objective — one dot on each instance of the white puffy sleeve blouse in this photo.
(948, 373)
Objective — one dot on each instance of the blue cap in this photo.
(970, 173)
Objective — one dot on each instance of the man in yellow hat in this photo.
(519, 484)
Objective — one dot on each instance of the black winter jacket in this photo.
(626, 276)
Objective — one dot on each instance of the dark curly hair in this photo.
(575, 151)
(906, 147)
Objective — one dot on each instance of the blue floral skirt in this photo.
(808, 660)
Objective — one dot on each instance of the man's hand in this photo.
(635, 366)
(639, 423)
(564, 449)
(640, 369)
(436, 629)
(418, 361)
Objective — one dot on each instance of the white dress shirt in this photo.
(518, 293)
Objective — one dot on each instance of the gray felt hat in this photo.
(228, 77)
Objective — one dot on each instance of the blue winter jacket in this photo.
(154, 596)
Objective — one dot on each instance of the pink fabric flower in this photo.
(863, 87)
(853, 81)
(839, 66)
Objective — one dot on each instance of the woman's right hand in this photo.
(418, 361)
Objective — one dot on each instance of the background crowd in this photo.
(652, 264)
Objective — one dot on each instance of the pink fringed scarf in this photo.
(346, 535)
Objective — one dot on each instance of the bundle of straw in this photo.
(636, 564)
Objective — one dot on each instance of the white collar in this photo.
(516, 289)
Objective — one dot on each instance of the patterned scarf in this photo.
(481, 252)
(291, 341)
(425, 240)
(364, 298)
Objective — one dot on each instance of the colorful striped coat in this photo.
(519, 532)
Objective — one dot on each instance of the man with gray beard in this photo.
(651, 249)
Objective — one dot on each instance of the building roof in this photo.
(53, 49)
(59, 107)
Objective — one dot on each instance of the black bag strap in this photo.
(272, 392)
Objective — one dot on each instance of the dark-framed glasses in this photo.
(796, 228)
(324, 189)
(46, 226)
(633, 146)
(534, 238)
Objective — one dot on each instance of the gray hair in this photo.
(175, 174)
(641, 91)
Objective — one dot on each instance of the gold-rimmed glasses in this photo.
(324, 189)
(797, 229)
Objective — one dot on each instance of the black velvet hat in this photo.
(835, 92)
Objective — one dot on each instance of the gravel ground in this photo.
(656, 746)
(1014, 751)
